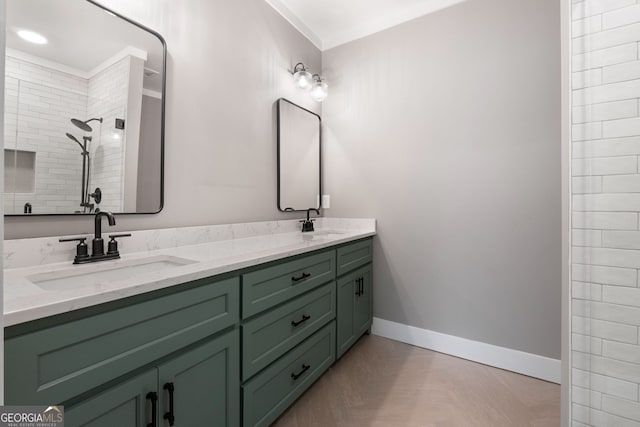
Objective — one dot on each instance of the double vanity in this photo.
(218, 325)
(222, 325)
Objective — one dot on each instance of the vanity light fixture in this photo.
(32, 37)
(319, 89)
(304, 80)
(302, 77)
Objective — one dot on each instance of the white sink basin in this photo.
(105, 271)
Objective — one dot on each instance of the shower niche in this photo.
(84, 110)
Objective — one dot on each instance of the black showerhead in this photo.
(73, 138)
(83, 124)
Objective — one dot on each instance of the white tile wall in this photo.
(38, 107)
(606, 203)
(39, 104)
(605, 111)
(107, 98)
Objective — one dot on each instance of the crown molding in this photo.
(296, 22)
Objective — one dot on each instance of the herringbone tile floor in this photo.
(384, 383)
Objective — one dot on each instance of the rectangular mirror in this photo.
(84, 110)
(299, 139)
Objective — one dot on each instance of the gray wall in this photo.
(447, 130)
(228, 64)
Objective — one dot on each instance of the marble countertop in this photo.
(206, 251)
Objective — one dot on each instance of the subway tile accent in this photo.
(39, 103)
(605, 190)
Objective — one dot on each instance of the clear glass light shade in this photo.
(303, 79)
(319, 91)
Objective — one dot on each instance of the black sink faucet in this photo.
(97, 253)
(98, 243)
(307, 225)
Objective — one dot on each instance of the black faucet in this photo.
(97, 242)
(307, 225)
(97, 253)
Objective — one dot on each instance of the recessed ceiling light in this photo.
(32, 37)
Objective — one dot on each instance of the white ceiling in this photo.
(81, 35)
(329, 23)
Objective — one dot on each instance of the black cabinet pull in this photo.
(300, 322)
(153, 397)
(297, 279)
(169, 415)
(360, 283)
(305, 368)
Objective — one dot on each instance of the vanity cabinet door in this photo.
(128, 404)
(201, 386)
(354, 310)
(363, 310)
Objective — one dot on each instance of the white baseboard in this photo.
(529, 364)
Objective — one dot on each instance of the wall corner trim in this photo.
(529, 364)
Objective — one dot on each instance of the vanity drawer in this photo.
(354, 255)
(269, 336)
(271, 392)
(54, 364)
(270, 286)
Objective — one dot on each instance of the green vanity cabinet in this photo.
(231, 350)
(273, 390)
(271, 285)
(355, 307)
(354, 255)
(127, 404)
(203, 381)
(288, 332)
(270, 335)
(89, 360)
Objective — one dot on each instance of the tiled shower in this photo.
(41, 99)
(605, 196)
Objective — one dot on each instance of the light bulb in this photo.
(303, 79)
(319, 90)
(32, 37)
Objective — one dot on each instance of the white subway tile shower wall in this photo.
(606, 206)
(39, 104)
(108, 93)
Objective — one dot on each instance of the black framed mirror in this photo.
(299, 157)
(84, 110)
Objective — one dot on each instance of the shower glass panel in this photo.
(605, 297)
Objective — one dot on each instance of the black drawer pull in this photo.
(300, 322)
(169, 416)
(305, 368)
(153, 397)
(359, 286)
(297, 279)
